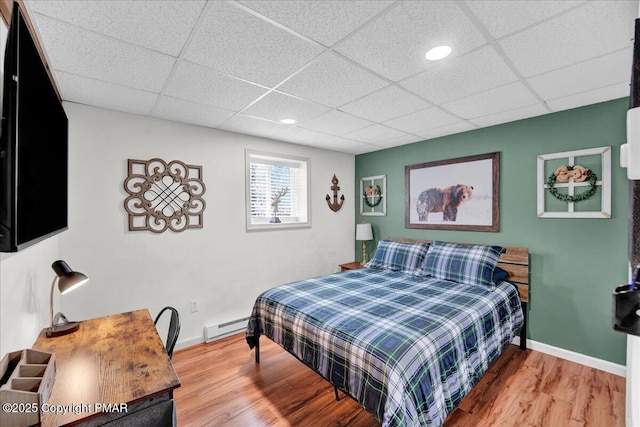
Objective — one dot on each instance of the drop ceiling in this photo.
(351, 73)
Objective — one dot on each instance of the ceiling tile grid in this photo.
(83, 90)
(162, 26)
(277, 106)
(233, 41)
(501, 17)
(461, 76)
(89, 54)
(335, 122)
(351, 73)
(193, 113)
(385, 104)
(326, 22)
(332, 81)
(395, 43)
(195, 83)
(594, 29)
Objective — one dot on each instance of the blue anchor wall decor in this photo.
(335, 205)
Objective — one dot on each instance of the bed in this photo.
(410, 334)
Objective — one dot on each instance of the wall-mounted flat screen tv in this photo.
(33, 146)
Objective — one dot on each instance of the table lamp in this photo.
(68, 280)
(364, 233)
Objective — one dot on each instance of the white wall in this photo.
(222, 265)
(25, 284)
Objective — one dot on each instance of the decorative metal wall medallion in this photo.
(164, 195)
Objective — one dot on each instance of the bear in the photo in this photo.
(445, 200)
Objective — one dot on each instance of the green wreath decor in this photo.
(372, 204)
(591, 177)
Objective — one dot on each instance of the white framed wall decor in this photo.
(373, 195)
(574, 184)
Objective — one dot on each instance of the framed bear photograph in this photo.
(454, 194)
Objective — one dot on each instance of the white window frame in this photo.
(304, 191)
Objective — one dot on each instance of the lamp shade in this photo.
(68, 280)
(364, 232)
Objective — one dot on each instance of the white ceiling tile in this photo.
(192, 82)
(394, 44)
(182, 111)
(511, 115)
(335, 123)
(87, 91)
(594, 29)
(374, 133)
(398, 140)
(504, 17)
(497, 100)
(232, 40)
(333, 81)
(599, 72)
(298, 135)
(252, 126)
(323, 21)
(461, 76)
(363, 148)
(159, 25)
(83, 52)
(385, 104)
(422, 120)
(341, 144)
(277, 106)
(446, 130)
(615, 91)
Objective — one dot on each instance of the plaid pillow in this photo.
(395, 256)
(468, 264)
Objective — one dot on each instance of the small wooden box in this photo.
(26, 380)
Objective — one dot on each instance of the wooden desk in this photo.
(118, 359)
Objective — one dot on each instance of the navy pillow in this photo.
(499, 275)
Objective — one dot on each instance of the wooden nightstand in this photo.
(350, 266)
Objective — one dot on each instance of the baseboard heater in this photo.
(214, 332)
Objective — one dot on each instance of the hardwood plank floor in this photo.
(222, 385)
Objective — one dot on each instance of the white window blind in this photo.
(276, 181)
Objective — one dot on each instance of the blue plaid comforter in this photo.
(407, 348)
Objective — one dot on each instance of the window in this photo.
(277, 191)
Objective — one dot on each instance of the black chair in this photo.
(174, 329)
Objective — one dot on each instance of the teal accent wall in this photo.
(575, 263)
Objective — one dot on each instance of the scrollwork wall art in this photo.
(164, 195)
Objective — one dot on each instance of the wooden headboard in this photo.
(514, 261)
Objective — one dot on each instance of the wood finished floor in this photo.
(222, 385)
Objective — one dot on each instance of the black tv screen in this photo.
(33, 146)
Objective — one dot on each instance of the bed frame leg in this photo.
(258, 349)
(335, 389)
(523, 329)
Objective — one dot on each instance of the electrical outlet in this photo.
(195, 305)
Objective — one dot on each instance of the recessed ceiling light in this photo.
(287, 121)
(438, 52)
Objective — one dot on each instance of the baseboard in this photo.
(189, 342)
(592, 362)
